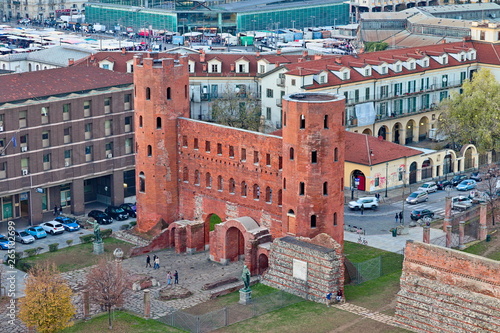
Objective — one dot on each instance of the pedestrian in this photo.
(328, 299)
(176, 277)
(396, 217)
(362, 209)
(401, 217)
(339, 296)
(157, 262)
(60, 210)
(154, 261)
(148, 261)
(55, 210)
(169, 278)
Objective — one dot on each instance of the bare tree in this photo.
(490, 187)
(107, 283)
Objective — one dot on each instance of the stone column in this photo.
(448, 236)
(483, 229)
(427, 234)
(77, 197)
(447, 213)
(86, 304)
(461, 235)
(117, 194)
(147, 303)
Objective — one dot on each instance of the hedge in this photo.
(53, 247)
(87, 238)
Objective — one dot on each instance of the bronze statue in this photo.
(97, 231)
(245, 276)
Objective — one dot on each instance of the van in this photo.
(417, 197)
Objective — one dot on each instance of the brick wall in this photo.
(444, 290)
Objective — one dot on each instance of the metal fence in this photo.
(374, 268)
(229, 314)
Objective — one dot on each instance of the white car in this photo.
(53, 227)
(367, 202)
(428, 187)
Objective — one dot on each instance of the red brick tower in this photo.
(161, 96)
(313, 165)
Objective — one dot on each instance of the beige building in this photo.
(39, 9)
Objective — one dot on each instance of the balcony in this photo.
(280, 82)
(279, 102)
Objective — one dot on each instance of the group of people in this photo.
(156, 265)
(57, 210)
(339, 298)
(399, 216)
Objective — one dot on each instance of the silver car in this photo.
(23, 237)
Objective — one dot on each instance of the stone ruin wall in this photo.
(444, 290)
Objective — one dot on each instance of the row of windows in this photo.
(45, 112)
(168, 93)
(302, 121)
(314, 219)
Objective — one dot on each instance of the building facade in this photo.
(66, 144)
(39, 9)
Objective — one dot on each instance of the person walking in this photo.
(55, 210)
(176, 277)
(328, 299)
(396, 217)
(169, 278)
(148, 261)
(362, 209)
(401, 217)
(60, 210)
(157, 262)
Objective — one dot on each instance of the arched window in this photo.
(197, 177)
(313, 221)
(325, 122)
(269, 195)
(208, 180)
(280, 198)
(302, 121)
(169, 96)
(150, 151)
(280, 162)
(220, 183)
(148, 93)
(336, 155)
(284, 118)
(140, 121)
(232, 185)
(284, 183)
(325, 188)
(185, 174)
(256, 192)
(142, 182)
(292, 154)
(334, 218)
(158, 122)
(243, 189)
(302, 188)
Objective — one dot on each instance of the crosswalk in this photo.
(436, 207)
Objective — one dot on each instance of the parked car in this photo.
(458, 179)
(68, 223)
(130, 209)
(461, 203)
(443, 184)
(466, 185)
(100, 216)
(52, 227)
(367, 202)
(116, 213)
(418, 214)
(428, 187)
(23, 237)
(36, 232)
(476, 176)
(417, 196)
(5, 244)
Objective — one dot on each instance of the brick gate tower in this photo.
(161, 96)
(313, 165)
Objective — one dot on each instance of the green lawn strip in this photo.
(358, 253)
(300, 317)
(374, 294)
(123, 322)
(481, 247)
(78, 256)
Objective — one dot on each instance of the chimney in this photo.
(71, 61)
(338, 61)
(304, 54)
(301, 60)
(204, 67)
(232, 67)
(278, 51)
(257, 54)
(202, 56)
(124, 51)
(92, 57)
(318, 56)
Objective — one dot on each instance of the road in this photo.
(382, 220)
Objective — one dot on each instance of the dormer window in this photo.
(412, 65)
(215, 68)
(367, 71)
(445, 60)
(322, 79)
(345, 76)
(425, 63)
(383, 70)
(398, 68)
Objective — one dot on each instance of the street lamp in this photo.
(386, 177)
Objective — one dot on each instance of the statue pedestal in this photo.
(245, 297)
(98, 247)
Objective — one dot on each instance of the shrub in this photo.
(106, 233)
(69, 242)
(133, 224)
(87, 238)
(39, 249)
(125, 227)
(24, 266)
(53, 247)
(31, 252)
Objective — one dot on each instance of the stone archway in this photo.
(423, 129)
(410, 127)
(367, 131)
(171, 237)
(382, 132)
(263, 263)
(396, 133)
(413, 173)
(358, 180)
(235, 244)
(426, 169)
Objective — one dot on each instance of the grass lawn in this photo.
(123, 322)
(489, 249)
(78, 256)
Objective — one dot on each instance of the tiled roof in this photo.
(50, 82)
(369, 150)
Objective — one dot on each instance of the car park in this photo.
(130, 209)
(23, 237)
(5, 244)
(418, 214)
(417, 197)
(443, 184)
(466, 185)
(100, 216)
(476, 176)
(458, 179)
(428, 187)
(36, 232)
(367, 202)
(116, 213)
(52, 227)
(68, 223)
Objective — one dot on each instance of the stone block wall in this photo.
(306, 269)
(444, 290)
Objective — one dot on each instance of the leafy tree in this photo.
(47, 305)
(375, 46)
(237, 109)
(491, 176)
(107, 283)
(474, 115)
